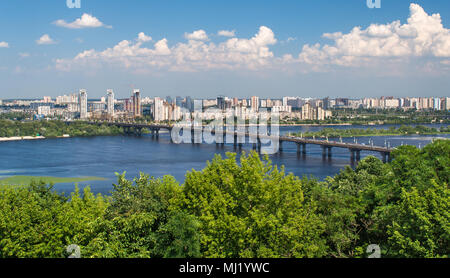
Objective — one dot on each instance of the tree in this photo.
(142, 220)
(251, 210)
(37, 222)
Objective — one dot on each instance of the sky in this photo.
(306, 48)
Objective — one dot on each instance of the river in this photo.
(103, 156)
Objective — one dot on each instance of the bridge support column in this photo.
(329, 152)
(386, 157)
(324, 151)
(358, 155)
(259, 145)
(280, 146)
(352, 155)
(138, 131)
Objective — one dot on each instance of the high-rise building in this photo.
(189, 104)
(447, 103)
(179, 101)
(158, 109)
(83, 104)
(110, 103)
(255, 103)
(436, 103)
(221, 102)
(137, 103)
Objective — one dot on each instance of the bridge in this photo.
(327, 145)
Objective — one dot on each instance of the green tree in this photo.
(142, 221)
(251, 210)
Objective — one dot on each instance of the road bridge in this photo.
(327, 145)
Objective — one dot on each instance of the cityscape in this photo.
(171, 109)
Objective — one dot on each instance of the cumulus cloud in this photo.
(226, 33)
(422, 40)
(85, 21)
(45, 39)
(142, 37)
(4, 45)
(422, 36)
(195, 54)
(199, 35)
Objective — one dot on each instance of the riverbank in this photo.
(23, 180)
(21, 138)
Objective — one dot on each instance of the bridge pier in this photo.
(386, 157)
(280, 146)
(301, 148)
(355, 155)
(326, 151)
(138, 131)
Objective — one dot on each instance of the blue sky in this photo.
(265, 56)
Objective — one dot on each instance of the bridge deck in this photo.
(325, 143)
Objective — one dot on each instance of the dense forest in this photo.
(392, 130)
(243, 208)
(51, 129)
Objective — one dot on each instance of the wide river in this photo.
(103, 156)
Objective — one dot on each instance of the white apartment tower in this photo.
(110, 103)
(83, 104)
(255, 103)
(158, 109)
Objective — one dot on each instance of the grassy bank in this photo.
(19, 180)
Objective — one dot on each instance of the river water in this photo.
(103, 156)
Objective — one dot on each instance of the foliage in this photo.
(51, 129)
(141, 221)
(402, 206)
(251, 210)
(37, 222)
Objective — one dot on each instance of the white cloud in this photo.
(45, 39)
(143, 37)
(86, 21)
(226, 33)
(24, 55)
(385, 48)
(194, 55)
(199, 35)
(423, 36)
(4, 45)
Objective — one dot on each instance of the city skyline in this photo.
(298, 48)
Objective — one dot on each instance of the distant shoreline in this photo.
(22, 138)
